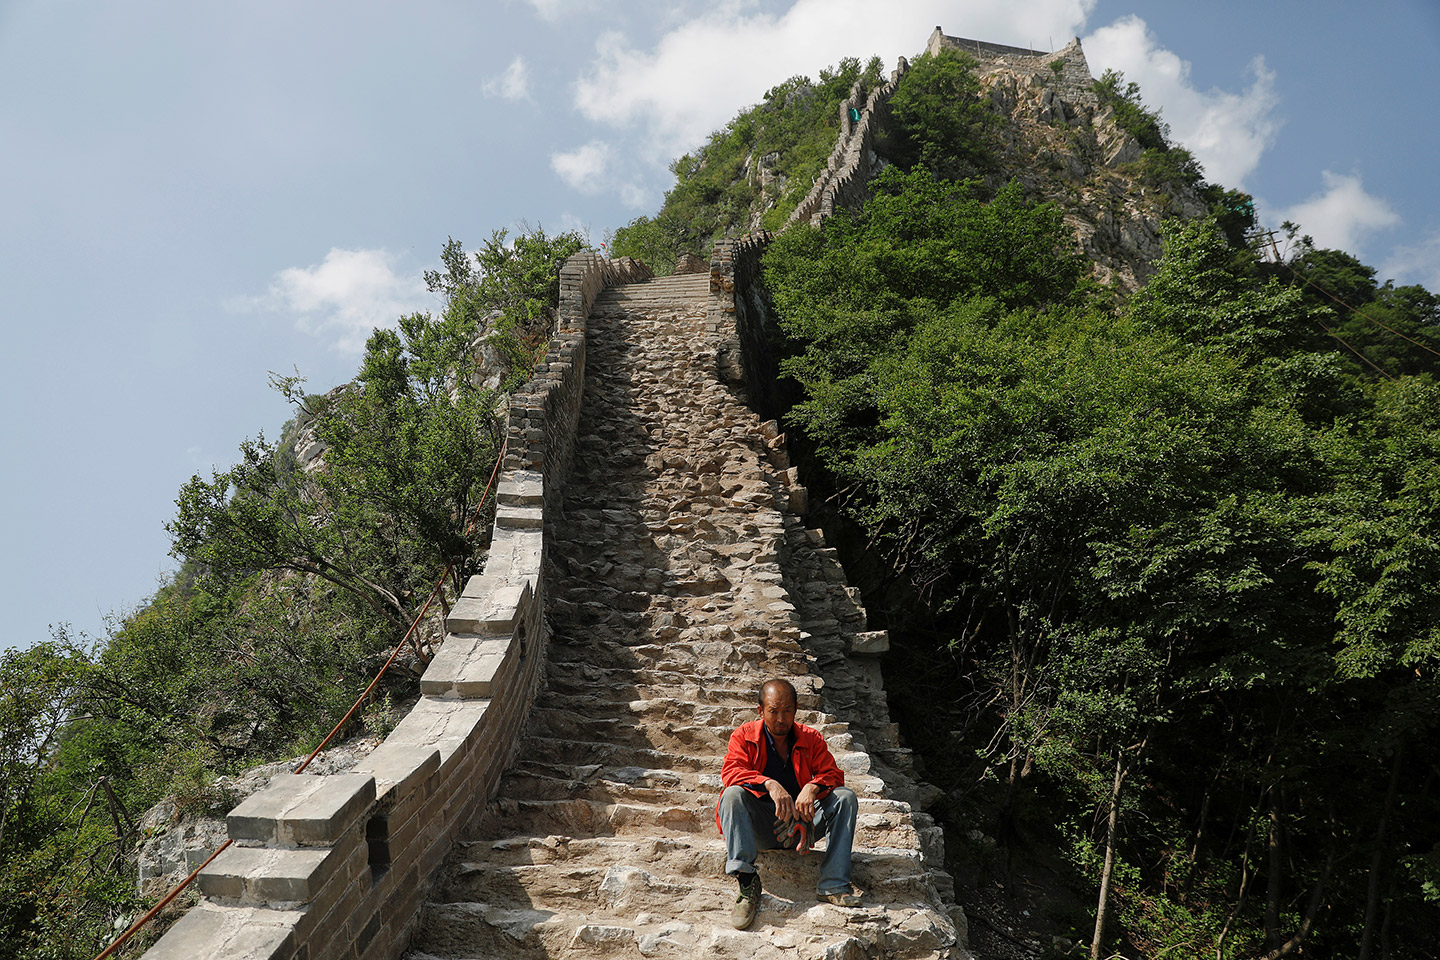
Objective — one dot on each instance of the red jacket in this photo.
(745, 760)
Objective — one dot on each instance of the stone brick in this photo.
(445, 725)
(521, 518)
(492, 614)
(263, 874)
(466, 666)
(398, 768)
(299, 808)
(521, 491)
(870, 643)
(212, 932)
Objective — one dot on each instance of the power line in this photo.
(1270, 235)
(1357, 353)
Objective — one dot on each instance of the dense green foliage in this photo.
(1395, 328)
(717, 189)
(1180, 558)
(940, 121)
(511, 291)
(294, 585)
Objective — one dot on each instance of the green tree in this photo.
(941, 122)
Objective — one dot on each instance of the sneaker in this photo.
(746, 904)
(793, 835)
(849, 897)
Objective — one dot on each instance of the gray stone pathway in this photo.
(683, 585)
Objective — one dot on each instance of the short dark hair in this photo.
(778, 684)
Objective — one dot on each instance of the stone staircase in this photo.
(684, 583)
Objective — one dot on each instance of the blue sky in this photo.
(193, 194)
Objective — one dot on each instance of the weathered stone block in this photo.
(870, 643)
(523, 518)
(267, 875)
(521, 490)
(493, 614)
(445, 725)
(466, 666)
(398, 768)
(300, 809)
(213, 932)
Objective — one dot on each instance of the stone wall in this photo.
(853, 162)
(740, 318)
(333, 867)
(1071, 80)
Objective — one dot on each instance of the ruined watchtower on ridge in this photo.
(1071, 78)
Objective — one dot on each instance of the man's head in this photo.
(777, 707)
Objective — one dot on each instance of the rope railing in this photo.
(138, 925)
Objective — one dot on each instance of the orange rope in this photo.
(439, 585)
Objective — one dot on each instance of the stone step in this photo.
(681, 739)
(614, 783)
(587, 752)
(662, 709)
(736, 659)
(881, 822)
(789, 928)
(670, 858)
(617, 881)
(581, 678)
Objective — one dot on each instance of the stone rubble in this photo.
(684, 582)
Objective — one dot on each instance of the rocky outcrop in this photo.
(1066, 148)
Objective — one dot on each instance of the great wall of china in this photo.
(551, 794)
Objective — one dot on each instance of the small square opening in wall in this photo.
(377, 836)
(520, 638)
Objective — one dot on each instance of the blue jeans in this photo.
(748, 824)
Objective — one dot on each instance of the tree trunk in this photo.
(1275, 869)
(1111, 827)
(1377, 859)
(1386, 947)
(1241, 895)
(1316, 900)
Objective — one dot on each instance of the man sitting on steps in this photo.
(783, 789)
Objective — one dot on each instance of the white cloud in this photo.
(1415, 264)
(347, 295)
(513, 84)
(668, 91)
(584, 167)
(1227, 132)
(1342, 215)
(590, 169)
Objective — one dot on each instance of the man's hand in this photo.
(789, 808)
(784, 803)
(805, 803)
